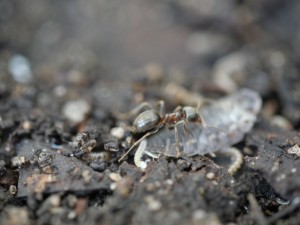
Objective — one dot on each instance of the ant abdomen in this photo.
(146, 121)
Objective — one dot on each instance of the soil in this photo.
(69, 70)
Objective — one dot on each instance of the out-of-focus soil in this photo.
(69, 68)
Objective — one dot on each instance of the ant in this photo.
(150, 121)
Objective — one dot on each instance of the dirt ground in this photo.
(68, 69)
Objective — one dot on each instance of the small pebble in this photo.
(115, 177)
(18, 161)
(281, 122)
(87, 176)
(117, 132)
(210, 175)
(26, 125)
(295, 150)
(72, 215)
(153, 204)
(47, 169)
(15, 216)
(76, 110)
(71, 200)
(143, 165)
(12, 189)
(207, 43)
(20, 68)
(60, 91)
(54, 200)
(199, 214)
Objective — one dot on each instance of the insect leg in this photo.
(134, 111)
(178, 108)
(177, 142)
(186, 133)
(137, 142)
(161, 108)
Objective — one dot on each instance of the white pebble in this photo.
(20, 68)
(117, 132)
(295, 150)
(115, 177)
(76, 110)
(210, 175)
(153, 204)
(143, 165)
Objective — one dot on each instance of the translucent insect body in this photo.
(224, 123)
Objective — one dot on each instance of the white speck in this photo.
(143, 165)
(117, 132)
(215, 182)
(280, 177)
(295, 150)
(76, 110)
(153, 204)
(60, 91)
(72, 215)
(115, 177)
(294, 170)
(113, 186)
(231, 202)
(210, 175)
(277, 59)
(199, 214)
(20, 68)
(12, 189)
(170, 182)
(205, 43)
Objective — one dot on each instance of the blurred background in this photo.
(101, 47)
(67, 70)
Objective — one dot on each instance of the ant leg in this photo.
(137, 142)
(177, 109)
(185, 129)
(134, 111)
(204, 102)
(161, 108)
(177, 142)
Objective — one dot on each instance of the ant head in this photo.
(191, 114)
(146, 121)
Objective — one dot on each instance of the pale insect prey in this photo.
(212, 128)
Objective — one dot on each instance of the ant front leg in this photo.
(135, 111)
(161, 108)
(178, 109)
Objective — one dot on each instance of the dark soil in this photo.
(61, 131)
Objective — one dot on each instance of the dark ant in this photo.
(151, 121)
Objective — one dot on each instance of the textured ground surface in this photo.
(61, 133)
